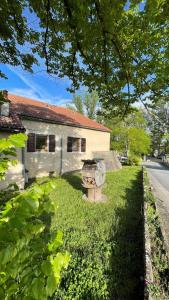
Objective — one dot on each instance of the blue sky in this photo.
(38, 85)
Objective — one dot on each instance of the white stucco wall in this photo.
(41, 163)
(15, 173)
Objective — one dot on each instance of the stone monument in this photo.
(93, 178)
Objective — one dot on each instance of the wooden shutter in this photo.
(83, 145)
(69, 144)
(51, 143)
(31, 142)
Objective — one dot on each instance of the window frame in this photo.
(79, 141)
(50, 146)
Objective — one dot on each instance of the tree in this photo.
(86, 104)
(129, 136)
(15, 33)
(115, 47)
(76, 104)
(158, 126)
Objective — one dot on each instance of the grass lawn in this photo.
(105, 240)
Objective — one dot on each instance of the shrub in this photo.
(134, 160)
(30, 261)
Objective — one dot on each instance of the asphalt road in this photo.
(159, 179)
(159, 172)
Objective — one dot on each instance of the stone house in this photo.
(58, 138)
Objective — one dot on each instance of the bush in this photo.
(134, 160)
(30, 261)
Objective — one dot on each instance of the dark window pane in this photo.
(69, 144)
(41, 142)
(83, 145)
(51, 143)
(73, 144)
(31, 142)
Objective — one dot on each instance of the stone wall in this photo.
(110, 159)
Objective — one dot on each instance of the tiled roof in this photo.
(34, 109)
(12, 123)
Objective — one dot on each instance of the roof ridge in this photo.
(31, 99)
(70, 115)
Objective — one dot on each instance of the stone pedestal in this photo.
(95, 195)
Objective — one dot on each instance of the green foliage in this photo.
(14, 34)
(8, 149)
(129, 136)
(134, 160)
(159, 288)
(104, 239)
(119, 48)
(86, 104)
(30, 261)
(77, 104)
(158, 126)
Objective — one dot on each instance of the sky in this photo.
(38, 85)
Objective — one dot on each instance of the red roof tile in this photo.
(30, 108)
(12, 123)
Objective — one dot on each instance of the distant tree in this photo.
(129, 136)
(86, 104)
(91, 102)
(158, 125)
(76, 104)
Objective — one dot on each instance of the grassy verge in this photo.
(159, 288)
(105, 240)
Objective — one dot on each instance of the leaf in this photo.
(18, 140)
(12, 289)
(3, 277)
(7, 254)
(46, 268)
(51, 286)
(33, 203)
(57, 242)
(61, 260)
(38, 289)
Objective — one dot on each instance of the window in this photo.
(31, 142)
(40, 142)
(52, 143)
(83, 145)
(76, 144)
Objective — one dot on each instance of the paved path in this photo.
(159, 178)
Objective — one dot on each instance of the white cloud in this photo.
(35, 91)
(29, 93)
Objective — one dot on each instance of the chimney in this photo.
(4, 107)
(5, 94)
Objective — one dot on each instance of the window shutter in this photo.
(31, 142)
(83, 145)
(51, 143)
(69, 144)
